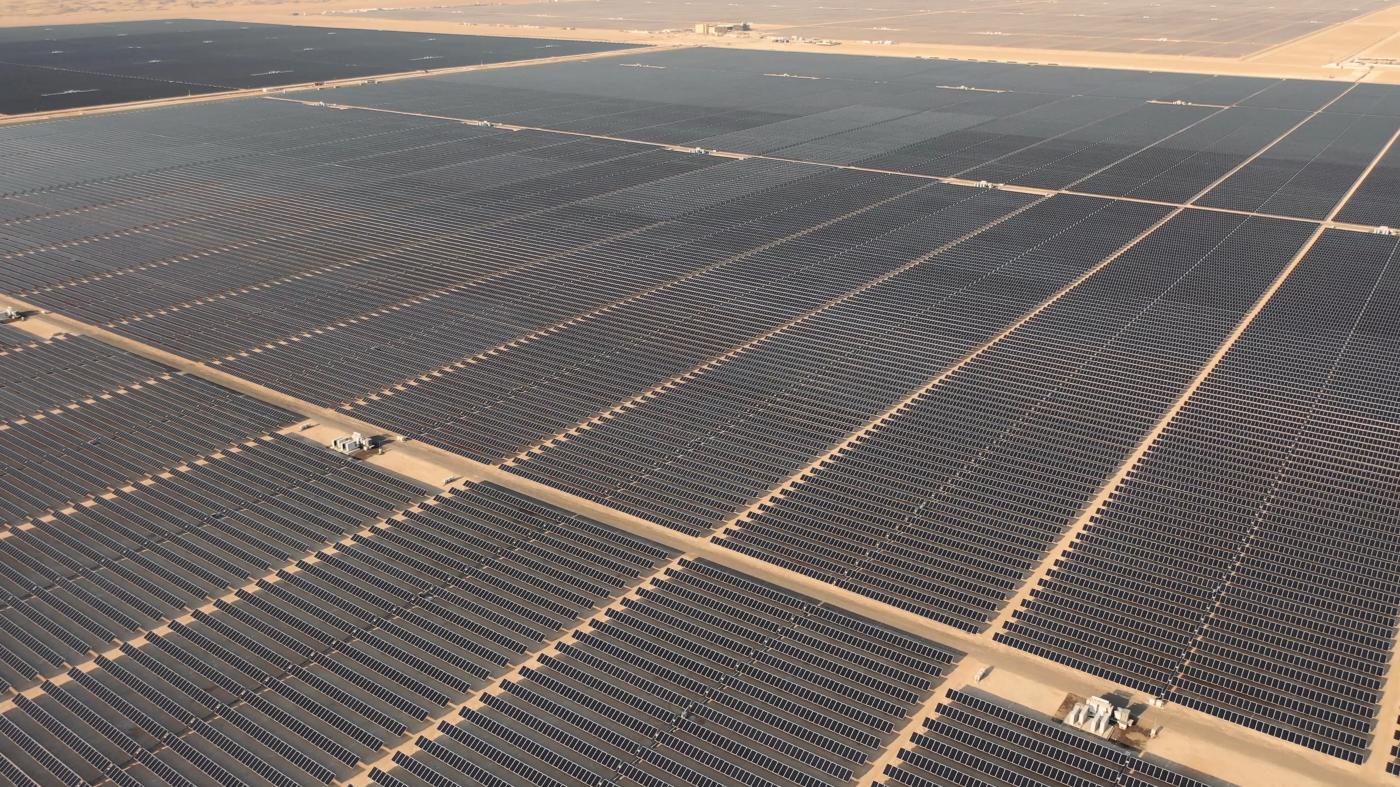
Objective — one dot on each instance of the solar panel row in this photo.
(99, 572)
(944, 508)
(703, 677)
(1240, 569)
(303, 671)
(118, 439)
(36, 376)
(977, 741)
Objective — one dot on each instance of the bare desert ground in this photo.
(1186, 27)
(1255, 37)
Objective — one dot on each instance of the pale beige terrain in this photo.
(1297, 38)
(1182, 27)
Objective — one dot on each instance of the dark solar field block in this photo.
(63, 458)
(662, 274)
(1179, 167)
(705, 449)
(1221, 90)
(33, 88)
(62, 67)
(1082, 151)
(325, 662)
(706, 676)
(1015, 124)
(1310, 170)
(1300, 94)
(947, 505)
(1369, 99)
(47, 375)
(184, 157)
(1374, 202)
(830, 246)
(976, 740)
(278, 284)
(1286, 620)
(108, 570)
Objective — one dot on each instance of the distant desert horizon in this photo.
(1356, 43)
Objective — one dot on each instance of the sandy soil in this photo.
(1182, 27)
(1310, 56)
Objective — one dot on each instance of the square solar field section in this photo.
(1369, 99)
(91, 447)
(1375, 203)
(1185, 164)
(986, 742)
(319, 643)
(1245, 567)
(681, 263)
(701, 678)
(62, 67)
(696, 454)
(947, 504)
(1157, 136)
(825, 239)
(38, 377)
(101, 571)
(1310, 170)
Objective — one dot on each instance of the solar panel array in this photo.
(1310, 171)
(905, 388)
(67, 66)
(945, 507)
(1374, 201)
(299, 672)
(1119, 133)
(976, 740)
(41, 376)
(698, 453)
(769, 273)
(704, 677)
(1281, 466)
(91, 447)
(174, 543)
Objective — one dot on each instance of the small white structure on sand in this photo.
(1098, 716)
(355, 443)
